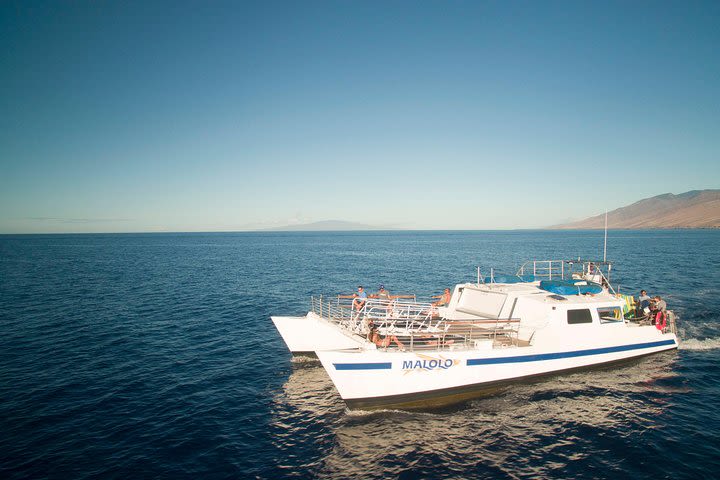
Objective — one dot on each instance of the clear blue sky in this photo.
(202, 116)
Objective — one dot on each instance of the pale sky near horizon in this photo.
(216, 116)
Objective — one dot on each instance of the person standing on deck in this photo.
(659, 311)
(660, 304)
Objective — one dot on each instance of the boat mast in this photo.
(605, 244)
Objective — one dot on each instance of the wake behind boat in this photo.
(552, 316)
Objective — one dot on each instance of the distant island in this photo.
(326, 225)
(695, 209)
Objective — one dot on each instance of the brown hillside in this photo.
(695, 209)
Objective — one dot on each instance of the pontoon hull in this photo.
(308, 334)
(377, 379)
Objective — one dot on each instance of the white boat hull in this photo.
(311, 333)
(380, 379)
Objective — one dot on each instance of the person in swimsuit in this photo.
(444, 298)
(384, 342)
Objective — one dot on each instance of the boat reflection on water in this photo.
(304, 417)
(309, 389)
(525, 429)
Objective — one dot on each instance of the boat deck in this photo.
(416, 326)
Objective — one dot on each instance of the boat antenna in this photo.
(605, 244)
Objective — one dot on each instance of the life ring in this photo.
(660, 320)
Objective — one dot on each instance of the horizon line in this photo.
(272, 231)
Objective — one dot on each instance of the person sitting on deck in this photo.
(444, 299)
(643, 300)
(384, 342)
(385, 298)
(359, 299)
(382, 294)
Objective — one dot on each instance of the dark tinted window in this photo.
(579, 316)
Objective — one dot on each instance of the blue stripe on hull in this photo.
(363, 366)
(520, 359)
(558, 355)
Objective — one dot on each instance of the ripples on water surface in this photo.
(154, 356)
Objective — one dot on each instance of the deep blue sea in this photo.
(153, 356)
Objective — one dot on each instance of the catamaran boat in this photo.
(552, 316)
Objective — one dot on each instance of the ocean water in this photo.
(153, 356)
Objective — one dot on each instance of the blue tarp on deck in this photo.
(570, 287)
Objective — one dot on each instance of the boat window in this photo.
(483, 303)
(610, 314)
(579, 316)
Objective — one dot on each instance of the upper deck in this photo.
(480, 315)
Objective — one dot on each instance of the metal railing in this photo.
(415, 326)
(597, 271)
(543, 269)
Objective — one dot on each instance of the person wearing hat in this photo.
(385, 299)
(382, 294)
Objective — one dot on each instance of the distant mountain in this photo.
(326, 225)
(695, 209)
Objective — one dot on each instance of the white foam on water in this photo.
(304, 359)
(368, 413)
(363, 413)
(695, 344)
